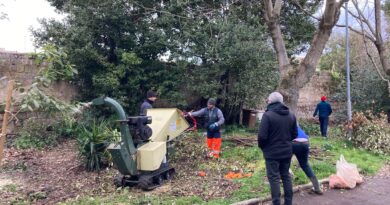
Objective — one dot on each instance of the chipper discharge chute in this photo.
(142, 155)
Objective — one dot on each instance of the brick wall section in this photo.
(21, 68)
(310, 95)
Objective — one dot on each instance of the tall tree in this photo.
(222, 47)
(115, 49)
(205, 48)
(371, 31)
(293, 78)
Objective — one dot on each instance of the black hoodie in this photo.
(278, 128)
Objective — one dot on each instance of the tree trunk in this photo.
(293, 79)
(379, 40)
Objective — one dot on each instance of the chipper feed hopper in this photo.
(142, 155)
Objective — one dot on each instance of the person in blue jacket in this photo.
(301, 150)
(324, 110)
(151, 96)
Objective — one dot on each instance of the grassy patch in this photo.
(10, 187)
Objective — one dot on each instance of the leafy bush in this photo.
(67, 126)
(36, 134)
(371, 132)
(93, 138)
(310, 128)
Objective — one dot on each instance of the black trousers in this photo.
(324, 125)
(276, 169)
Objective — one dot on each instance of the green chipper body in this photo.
(142, 154)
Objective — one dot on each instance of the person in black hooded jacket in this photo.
(278, 128)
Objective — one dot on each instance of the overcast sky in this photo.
(22, 14)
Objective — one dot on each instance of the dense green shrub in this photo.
(371, 132)
(36, 134)
(310, 128)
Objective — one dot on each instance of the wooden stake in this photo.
(7, 111)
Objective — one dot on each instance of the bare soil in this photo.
(56, 175)
(48, 176)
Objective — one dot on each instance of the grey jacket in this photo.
(203, 111)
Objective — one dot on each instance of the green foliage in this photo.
(36, 134)
(371, 133)
(67, 126)
(310, 128)
(297, 28)
(93, 137)
(226, 56)
(364, 78)
(10, 187)
(386, 7)
(54, 65)
(179, 48)
(325, 153)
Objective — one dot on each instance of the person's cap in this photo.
(212, 101)
(323, 98)
(275, 97)
(151, 94)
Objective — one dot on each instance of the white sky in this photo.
(22, 14)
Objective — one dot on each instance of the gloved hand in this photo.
(213, 126)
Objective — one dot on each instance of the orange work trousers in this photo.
(214, 145)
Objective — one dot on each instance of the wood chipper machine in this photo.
(142, 155)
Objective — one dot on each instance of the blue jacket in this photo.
(323, 109)
(302, 134)
(147, 104)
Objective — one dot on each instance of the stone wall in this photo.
(310, 95)
(21, 68)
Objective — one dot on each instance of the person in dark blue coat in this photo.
(151, 96)
(301, 149)
(323, 110)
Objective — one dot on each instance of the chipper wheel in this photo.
(145, 182)
(118, 180)
(169, 174)
(158, 180)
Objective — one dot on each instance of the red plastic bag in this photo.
(337, 182)
(348, 172)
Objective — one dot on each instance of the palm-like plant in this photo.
(93, 140)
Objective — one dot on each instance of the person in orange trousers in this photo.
(213, 121)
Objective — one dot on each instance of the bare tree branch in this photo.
(362, 33)
(268, 10)
(296, 3)
(364, 19)
(378, 24)
(373, 61)
(277, 7)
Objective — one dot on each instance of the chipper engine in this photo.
(142, 155)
